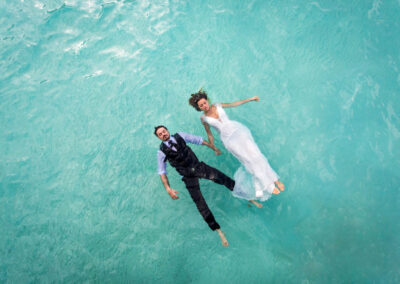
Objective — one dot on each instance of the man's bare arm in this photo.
(172, 192)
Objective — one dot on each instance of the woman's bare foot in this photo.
(259, 205)
(280, 185)
(276, 191)
(223, 239)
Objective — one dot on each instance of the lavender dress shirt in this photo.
(189, 138)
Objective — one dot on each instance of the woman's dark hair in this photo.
(194, 98)
(158, 127)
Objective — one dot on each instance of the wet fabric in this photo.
(255, 178)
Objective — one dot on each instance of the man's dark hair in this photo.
(157, 127)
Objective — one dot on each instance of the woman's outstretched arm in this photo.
(210, 138)
(238, 103)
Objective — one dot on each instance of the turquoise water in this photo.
(82, 83)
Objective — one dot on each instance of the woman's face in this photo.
(203, 104)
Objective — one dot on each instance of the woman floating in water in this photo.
(255, 179)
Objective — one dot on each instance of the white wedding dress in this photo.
(255, 178)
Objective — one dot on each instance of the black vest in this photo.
(183, 160)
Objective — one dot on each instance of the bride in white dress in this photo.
(255, 179)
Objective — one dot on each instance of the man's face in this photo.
(162, 133)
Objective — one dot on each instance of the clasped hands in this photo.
(216, 150)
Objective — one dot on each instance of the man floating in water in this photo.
(174, 150)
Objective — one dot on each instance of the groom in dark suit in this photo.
(175, 150)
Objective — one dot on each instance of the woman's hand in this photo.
(238, 103)
(216, 150)
(212, 146)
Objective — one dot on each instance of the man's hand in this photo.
(173, 193)
(256, 98)
(212, 146)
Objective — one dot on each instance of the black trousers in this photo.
(191, 180)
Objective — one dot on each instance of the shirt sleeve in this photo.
(162, 166)
(197, 140)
